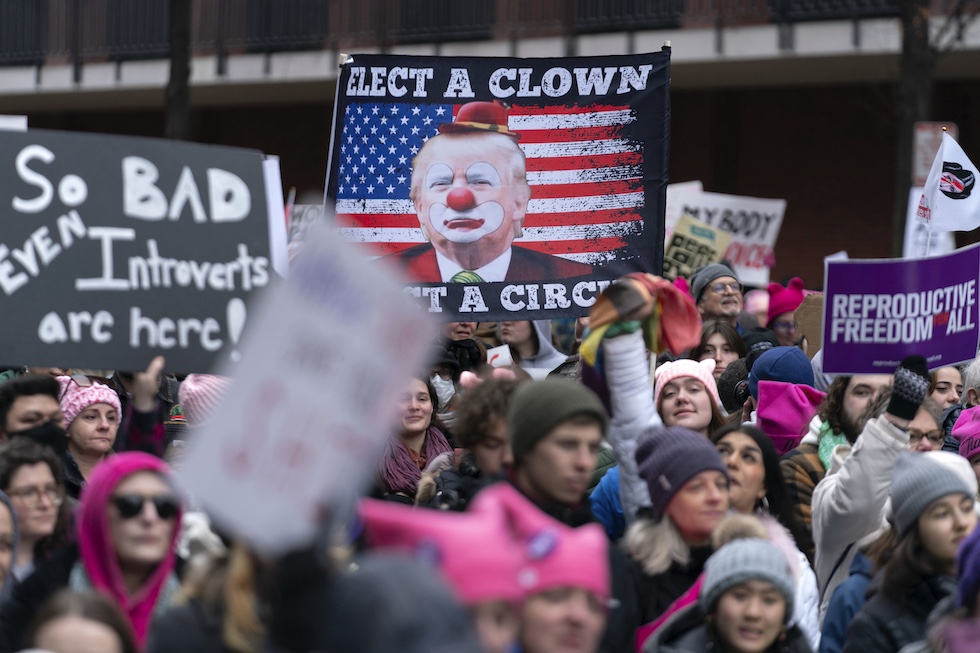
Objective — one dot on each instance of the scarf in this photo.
(399, 473)
(826, 443)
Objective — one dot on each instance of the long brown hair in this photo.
(727, 331)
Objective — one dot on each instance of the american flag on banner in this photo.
(585, 176)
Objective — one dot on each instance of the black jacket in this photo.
(657, 593)
(18, 611)
(456, 486)
(189, 628)
(887, 623)
(686, 632)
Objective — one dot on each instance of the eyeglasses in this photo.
(937, 437)
(80, 380)
(721, 287)
(131, 505)
(32, 496)
(786, 326)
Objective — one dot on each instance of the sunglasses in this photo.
(131, 505)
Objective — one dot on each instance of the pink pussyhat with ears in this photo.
(785, 410)
(474, 552)
(555, 555)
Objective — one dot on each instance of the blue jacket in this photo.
(606, 505)
(844, 604)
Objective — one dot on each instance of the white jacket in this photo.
(627, 374)
(806, 604)
(848, 503)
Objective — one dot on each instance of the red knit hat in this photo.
(783, 300)
(480, 117)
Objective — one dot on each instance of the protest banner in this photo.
(810, 318)
(115, 249)
(537, 181)
(877, 312)
(675, 195)
(753, 222)
(299, 431)
(691, 245)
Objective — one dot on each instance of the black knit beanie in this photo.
(536, 407)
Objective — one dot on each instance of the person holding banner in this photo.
(470, 191)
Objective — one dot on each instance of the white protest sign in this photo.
(13, 123)
(675, 195)
(753, 222)
(314, 396)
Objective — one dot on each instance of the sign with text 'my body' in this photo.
(878, 312)
(503, 188)
(753, 222)
(114, 249)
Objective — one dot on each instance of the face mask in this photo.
(49, 434)
(444, 390)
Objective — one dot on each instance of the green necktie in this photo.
(466, 276)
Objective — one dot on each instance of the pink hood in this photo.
(95, 542)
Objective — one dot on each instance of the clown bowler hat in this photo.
(479, 117)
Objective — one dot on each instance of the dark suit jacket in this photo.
(525, 265)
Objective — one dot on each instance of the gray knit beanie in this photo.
(917, 481)
(706, 274)
(744, 560)
(536, 407)
(667, 458)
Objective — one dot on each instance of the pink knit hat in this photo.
(784, 411)
(555, 554)
(783, 300)
(475, 552)
(199, 395)
(76, 398)
(967, 431)
(700, 370)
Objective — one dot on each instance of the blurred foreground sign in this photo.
(314, 395)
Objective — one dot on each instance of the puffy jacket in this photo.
(848, 503)
(847, 600)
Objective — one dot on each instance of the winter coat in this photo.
(886, 623)
(188, 628)
(848, 503)
(607, 507)
(456, 486)
(686, 632)
(802, 471)
(847, 600)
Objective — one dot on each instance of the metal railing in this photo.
(34, 32)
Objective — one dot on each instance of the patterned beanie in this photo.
(536, 407)
(76, 398)
(744, 560)
(917, 481)
(667, 458)
(199, 394)
(700, 370)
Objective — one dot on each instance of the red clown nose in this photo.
(460, 199)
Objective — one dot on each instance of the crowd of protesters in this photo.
(688, 479)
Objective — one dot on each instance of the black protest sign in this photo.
(115, 249)
(504, 188)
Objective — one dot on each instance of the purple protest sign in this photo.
(878, 312)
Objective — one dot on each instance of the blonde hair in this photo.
(230, 583)
(656, 545)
